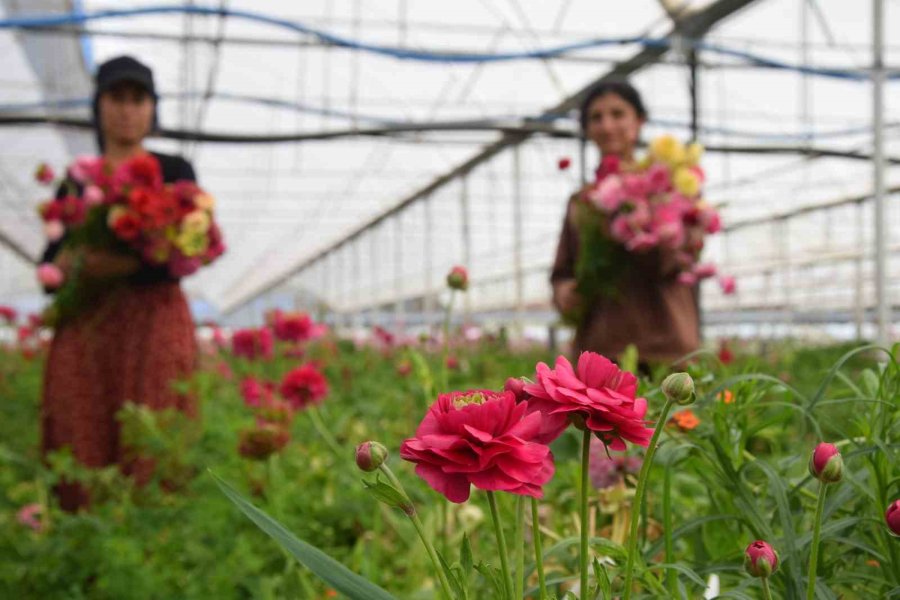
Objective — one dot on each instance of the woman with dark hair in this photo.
(136, 337)
(650, 309)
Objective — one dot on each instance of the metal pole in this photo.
(881, 300)
(582, 159)
(517, 238)
(428, 263)
(859, 311)
(398, 274)
(466, 240)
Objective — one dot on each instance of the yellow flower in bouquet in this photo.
(204, 201)
(197, 221)
(686, 182)
(694, 153)
(667, 149)
(192, 243)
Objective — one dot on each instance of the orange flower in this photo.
(725, 397)
(685, 420)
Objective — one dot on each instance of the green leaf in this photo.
(465, 555)
(604, 587)
(387, 494)
(492, 574)
(326, 568)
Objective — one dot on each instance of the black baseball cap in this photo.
(124, 68)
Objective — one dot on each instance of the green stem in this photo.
(316, 419)
(638, 498)
(445, 353)
(501, 543)
(671, 577)
(420, 529)
(585, 550)
(767, 593)
(538, 549)
(814, 552)
(520, 548)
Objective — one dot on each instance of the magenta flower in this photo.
(892, 517)
(50, 276)
(44, 174)
(599, 393)
(30, 516)
(760, 559)
(481, 438)
(458, 279)
(303, 386)
(826, 464)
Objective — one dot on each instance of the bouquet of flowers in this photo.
(131, 211)
(653, 206)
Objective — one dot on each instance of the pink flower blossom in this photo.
(599, 393)
(30, 516)
(54, 230)
(728, 284)
(481, 438)
(50, 276)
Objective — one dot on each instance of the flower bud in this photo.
(370, 456)
(760, 559)
(679, 387)
(826, 463)
(892, 517)
(458, 279)
(517, 387)
(44, 174)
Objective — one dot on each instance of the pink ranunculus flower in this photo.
(252, 343)
(728, 285)
(635, 185)
(256, 393)
(609, 165)
(458, 278)
(86, 169)
(621, 229)
(481, 438)
(30, 516)
(659, 179)
(552, 425)
(304, 386)
(687, 278)
(826, 464)
(892, 517)
(642, 241)
(608, 195)
(93, 195)
(705, 271)
(54, 230)
(599, 393)
(50, 276)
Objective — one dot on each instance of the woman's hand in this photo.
(566, 296)
(101, 264)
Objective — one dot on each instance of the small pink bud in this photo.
(458, 279)
(370, 456)
(728, 285)
(50, 275)
(826, 463)
(760, 559)
(44, 174)
(564, 163)
(54, 230)
(892, 517)
(517, 387)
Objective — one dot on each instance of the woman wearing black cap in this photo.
(137, 336)
(651, 310)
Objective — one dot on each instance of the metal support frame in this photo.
(466, 240)
(883, 316)
(518, 225)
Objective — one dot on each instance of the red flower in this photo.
(295, 327)
(609, 165)
(262, 441)
(303, 386)
(140, 171)
(8, 314)
(44, 174)
(481, 438)
(72, 210)
(255, 392)
(725, 355)
(452, 363)
(892, 517)
(552, 425)
(564, 163)
(252, 343)
(599, 393)
(126, 226)
(760, 559)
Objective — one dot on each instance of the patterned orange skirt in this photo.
(129, 347)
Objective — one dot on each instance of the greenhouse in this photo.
(602, 299)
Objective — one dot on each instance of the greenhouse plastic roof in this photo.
(279, 68)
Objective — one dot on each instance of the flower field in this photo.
(731, 492)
